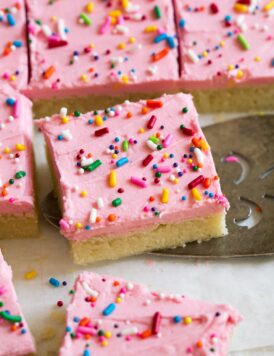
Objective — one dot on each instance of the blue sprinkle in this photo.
(155, 166)
(161, 37)
(183, 197)
(272, 62)
(170, 41)
(11, 19)
(182, 23)
(86, 353)
(206, 192)
(116, 139)
(23, 331)
(109, 309)
(87, 227)
(105, 118)
(90, 121)
(60, 137)
(175, 165)
(211, 195)
(17, 43)
(54, 282)
(68, 329)
(121, 162)
(76, 319)
(177, 319)
(180, 174)
(228, 18)
(10, 101)
(171, 155)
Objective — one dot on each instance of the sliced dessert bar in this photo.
(109, 316)
(13, 46)
(17, 206)
(100, 49)
(226, 53)
(15, 337)
(135, 177)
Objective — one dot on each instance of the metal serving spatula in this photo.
(243, 151)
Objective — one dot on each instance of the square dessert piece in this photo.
(13, 44)
(17, 206)
(111, 316)
(227, 45)
(133, 178)
(100, 48)
(15, 337)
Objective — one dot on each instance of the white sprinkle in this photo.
(61, 29)
(130, 331)
(121, 29)
(93, 216)
(116, 60)
(11, 118)
(2, 126)
(132, 8)
(46, 30)
(151, 145)
(199, 155)
(81, 171)
(86, 161)
(89, 291)
(193, 56)
(136, 47)
(66, 134)
(129, 286)
(172, 177)
(100, 203)
(148, 302)
(63, 112)
(152, 70)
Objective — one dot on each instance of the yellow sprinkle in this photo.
(176, 181)
(84, 193)
(203, 144)
(92, 45)
(114, 155)
(84, 78)
(6, 150)
(258, 59)
(125, 79)
(196, 194)
(125, 4)
(98, 120)
(112, 179)
(205, 54)
(165, 155)
(20, 147)
(31, 274)
(115, 13)
(53, 18)
(141, 130)
(113, 20)
(104, 343)
(230, 67)
(189, 160)
(222, 43)
(121, 45)
(151, 28)
(187, 320)
(65, 120)
(240, 74)
(90, 7)
(108, 334)
(132, 40)
(240, 8)
(78, 225)
(118, 300)
(13, 78)
(165, 195)
(269, 6)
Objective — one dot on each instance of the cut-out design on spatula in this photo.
(254, 214)
(238, 158)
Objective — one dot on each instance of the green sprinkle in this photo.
(243, 41)
(71, 291)
(77, 113)
(9, 317)
(11, 181)
(125, 145)
(116, 202)
(85, 19)
(158, 174)
(195, 168)
(157, 12)
(154, 139)
(39, 22)
(1, 304)
(93, 166)
(159, 147)
(184, 110)
(100, 332)
(20, 174)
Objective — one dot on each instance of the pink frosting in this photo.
(13, 47)
(213, 35)
(108, 58)
(89, 199)
(18, 341)
(16, 194)
(131, 320)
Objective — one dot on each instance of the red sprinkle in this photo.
(60, 303)
(156, 323)
(187, 132)
(151, 122)
(200, 179)
(147, 160)
(101, 132)
(214, 8)
(154, 104)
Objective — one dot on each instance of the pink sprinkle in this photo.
(232, 159)
(5, 75)
(128, 338)
(167, 141)
(146, 209)
(163, 169)
(120, 20)
(16, 109)
(63, 224)
(2, 290)
(189, 350)
(131, 141)
(11, 200)
(105, 26)
(137, 181)
(86, 330)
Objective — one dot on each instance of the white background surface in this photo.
(247, 284)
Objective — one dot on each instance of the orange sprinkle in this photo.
(157, 134)
(13, 328)
(4, 192)
(151, 198)
(200, 165)
(48, 73)
(145, 334)
(116, 283)
(112, 217)
(129, 115)
(98, 219)
(93, 299)
(207, 182)
(6, 51)
(84, 321)
(195, 141)
(91, 70)
(87, 336)
(90, 155)
(154, 104)
(216, 177)
(144, 110)
(199, 343)
(156, 57)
